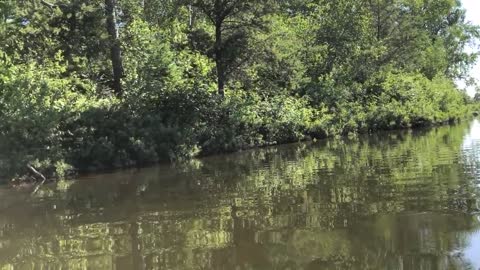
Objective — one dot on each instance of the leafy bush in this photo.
(412, 99)
(34, 104)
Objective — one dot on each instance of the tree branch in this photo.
(49, 5)
(36, 173)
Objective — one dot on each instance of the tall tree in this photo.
(230, 19)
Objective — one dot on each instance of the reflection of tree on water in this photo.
(391, 201)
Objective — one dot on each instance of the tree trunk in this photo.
(115, 50)
(190, 17)
(219, 59)
(378, 21)
(72, 22)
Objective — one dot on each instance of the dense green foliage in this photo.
(87, 84)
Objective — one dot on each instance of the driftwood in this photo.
(38, 175)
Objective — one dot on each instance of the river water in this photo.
(393, 200)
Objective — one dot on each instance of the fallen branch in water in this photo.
(38, 175)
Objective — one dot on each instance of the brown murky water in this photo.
(400, 200)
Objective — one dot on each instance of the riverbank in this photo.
(117, 135)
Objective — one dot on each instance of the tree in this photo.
(231, 20)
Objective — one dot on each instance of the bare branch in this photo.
(36, 173)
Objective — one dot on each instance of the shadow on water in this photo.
(399, 200)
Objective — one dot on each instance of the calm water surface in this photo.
(403, 200)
